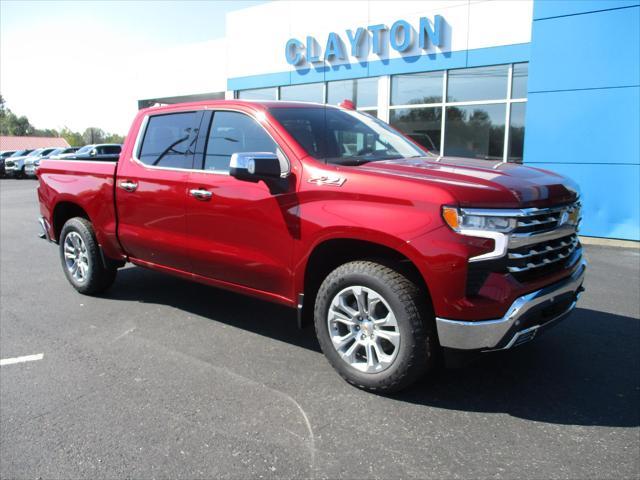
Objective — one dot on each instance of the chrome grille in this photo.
(543, 220)
(541, 254)
(544, 241)
(9, 163)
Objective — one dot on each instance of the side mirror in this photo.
(272, 168)
(256, 166)
(93, 152)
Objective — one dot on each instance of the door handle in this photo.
(128, 186)
(200, 193)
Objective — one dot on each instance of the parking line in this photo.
(26, 358)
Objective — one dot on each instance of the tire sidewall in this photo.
(407, 337)
(74, 225)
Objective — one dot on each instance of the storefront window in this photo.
(259, 94)
(475, 131)
(516, 131)
(520, 77)
(416, 88)
(423, 125)
(474, 102)
(480, 83)
(362, 91)
(308, 92)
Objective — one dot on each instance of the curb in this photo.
(609, 242)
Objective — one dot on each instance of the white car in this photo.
(31, 163)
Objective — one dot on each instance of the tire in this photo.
(78, 246)
(388, 294)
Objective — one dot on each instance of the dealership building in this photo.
(553, 84)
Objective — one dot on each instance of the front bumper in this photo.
(526, 316)
(30, 170)
(11, 170)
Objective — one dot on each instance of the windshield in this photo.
(85, 149)
(21, 153)
(344, 137)
(35, 153)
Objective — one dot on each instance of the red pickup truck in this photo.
(397, 254)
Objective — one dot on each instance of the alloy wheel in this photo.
(76, 257)
(363, 329)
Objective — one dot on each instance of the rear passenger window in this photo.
(233, 132)
(169, 140)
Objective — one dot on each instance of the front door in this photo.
(240, 232)
(151, 190)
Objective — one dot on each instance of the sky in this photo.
(77, 64)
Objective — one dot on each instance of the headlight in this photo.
(459, 221)
(37, 162)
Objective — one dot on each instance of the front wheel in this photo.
(81, 259)
(375, 326)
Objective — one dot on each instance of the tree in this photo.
(11, 124)
(93, 135)
(114, 138)
(73, 138)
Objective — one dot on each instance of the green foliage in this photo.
(93, 135)
(11, 124)
(73, 138)
(114, 138)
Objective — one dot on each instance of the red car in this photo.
(397, 254)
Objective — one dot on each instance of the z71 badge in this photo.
(325, 180)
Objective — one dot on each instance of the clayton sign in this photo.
(375, 38)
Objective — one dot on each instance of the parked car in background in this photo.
(19, 166)
(62, 152)
(31, 163)
(102, 151)
(14, 164)
(3, 155)
(79, 151)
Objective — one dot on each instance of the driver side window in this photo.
(234, 132)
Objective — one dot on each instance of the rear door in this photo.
(151, 190)
(239, 232)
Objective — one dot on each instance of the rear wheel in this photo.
(81, 259)
(375, 326)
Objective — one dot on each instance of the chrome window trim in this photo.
(143, 128)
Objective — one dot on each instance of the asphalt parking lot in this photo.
(161, 378)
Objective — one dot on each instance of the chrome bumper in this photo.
(522, 321)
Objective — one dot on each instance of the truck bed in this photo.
(90, 184)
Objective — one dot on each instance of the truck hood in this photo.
(483, 183)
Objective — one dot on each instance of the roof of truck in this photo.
(258, 104)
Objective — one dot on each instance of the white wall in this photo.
(256, 36)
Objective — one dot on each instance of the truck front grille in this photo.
(541, 254)
(543, 242)
(545, 220)
(541, 259)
